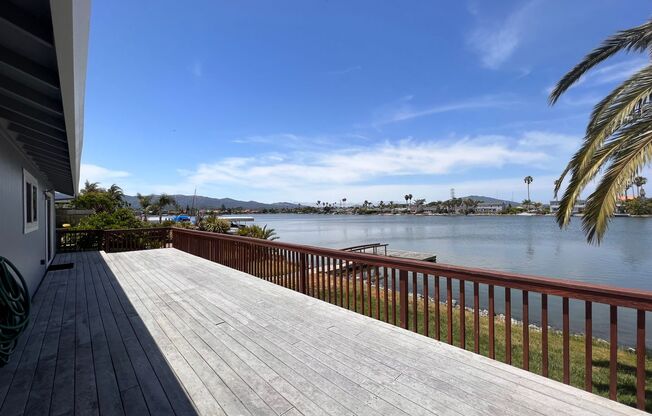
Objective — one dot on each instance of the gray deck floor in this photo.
(163, 332)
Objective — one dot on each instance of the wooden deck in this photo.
(163, 332)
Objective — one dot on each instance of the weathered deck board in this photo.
(164, 332)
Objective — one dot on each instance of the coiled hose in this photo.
(14, 308)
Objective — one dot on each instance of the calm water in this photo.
(529, 245)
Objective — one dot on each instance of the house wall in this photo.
(25, 251)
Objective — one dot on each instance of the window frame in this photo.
(30, 202)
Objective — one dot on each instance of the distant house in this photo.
(579, 207)
(490, 207)
(43, 50)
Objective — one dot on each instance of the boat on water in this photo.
(526, 214)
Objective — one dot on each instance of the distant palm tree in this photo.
(639, 181)
(145, 202)
(528, 180)
(407, 197)
(163, 201)
(343, 202)
(618, 137)
(318, 204)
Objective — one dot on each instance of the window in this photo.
(30, 202)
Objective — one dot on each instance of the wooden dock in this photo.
(412, 255)
(382, 249)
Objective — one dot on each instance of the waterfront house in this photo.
(490, 207)
(577, 209)
(43, 48)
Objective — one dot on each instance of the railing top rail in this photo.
(611, 295)
(116, 230)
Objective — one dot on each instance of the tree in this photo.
(639, 181)
(116, 193)
(145, 202)
(90, 187)
(163, 201)
(343, 202)
(618, 139)
(528, 180)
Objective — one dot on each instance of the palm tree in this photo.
(145, 202)
(343, 202)
(163, 201)
(318, 203)
(528, 180)
(91, 187)
(639, 181)
(407, 196)
(115, 192)
(618, 138)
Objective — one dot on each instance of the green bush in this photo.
(255, 231)
(118, 219)
(215, 225)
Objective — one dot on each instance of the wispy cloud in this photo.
(496, 41)
(403, 110)
(347, 166)
(94, 173)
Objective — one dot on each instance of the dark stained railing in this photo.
(387, 288)
(112, 240)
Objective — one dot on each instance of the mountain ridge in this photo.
(206, 202)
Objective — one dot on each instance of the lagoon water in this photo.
(529, 245)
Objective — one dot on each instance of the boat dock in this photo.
(382, 250)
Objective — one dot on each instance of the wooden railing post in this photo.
(303, 273)
(403, 302)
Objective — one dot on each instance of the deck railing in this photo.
(410, 293)
(112, 240)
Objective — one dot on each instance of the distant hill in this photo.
(205, 202)
(490, 200)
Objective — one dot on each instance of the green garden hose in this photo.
(14, 308)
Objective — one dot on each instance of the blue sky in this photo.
(304, 101)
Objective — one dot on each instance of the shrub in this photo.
(118, 219)
(255, 231)
(215, 225)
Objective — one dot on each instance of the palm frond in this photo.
(636, 39)
(612, 113)
(633, 149)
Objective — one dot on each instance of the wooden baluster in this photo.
(526, 330)
(369, 296)
(386, 293)
(415, 302)
(362, 269)
(492, 318)
(544, 335)
(449, 309)
(348, 285)
(508, 325)
(566, 341)
(640, 359)
(378, 300)
(426, 311)
(403, 292)
(437, 308)
(613, 351)
(462, 314)
(328, 278)
(355, 288)
(476, 318)
(341, 283)
(394, 296)
(588, 346)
